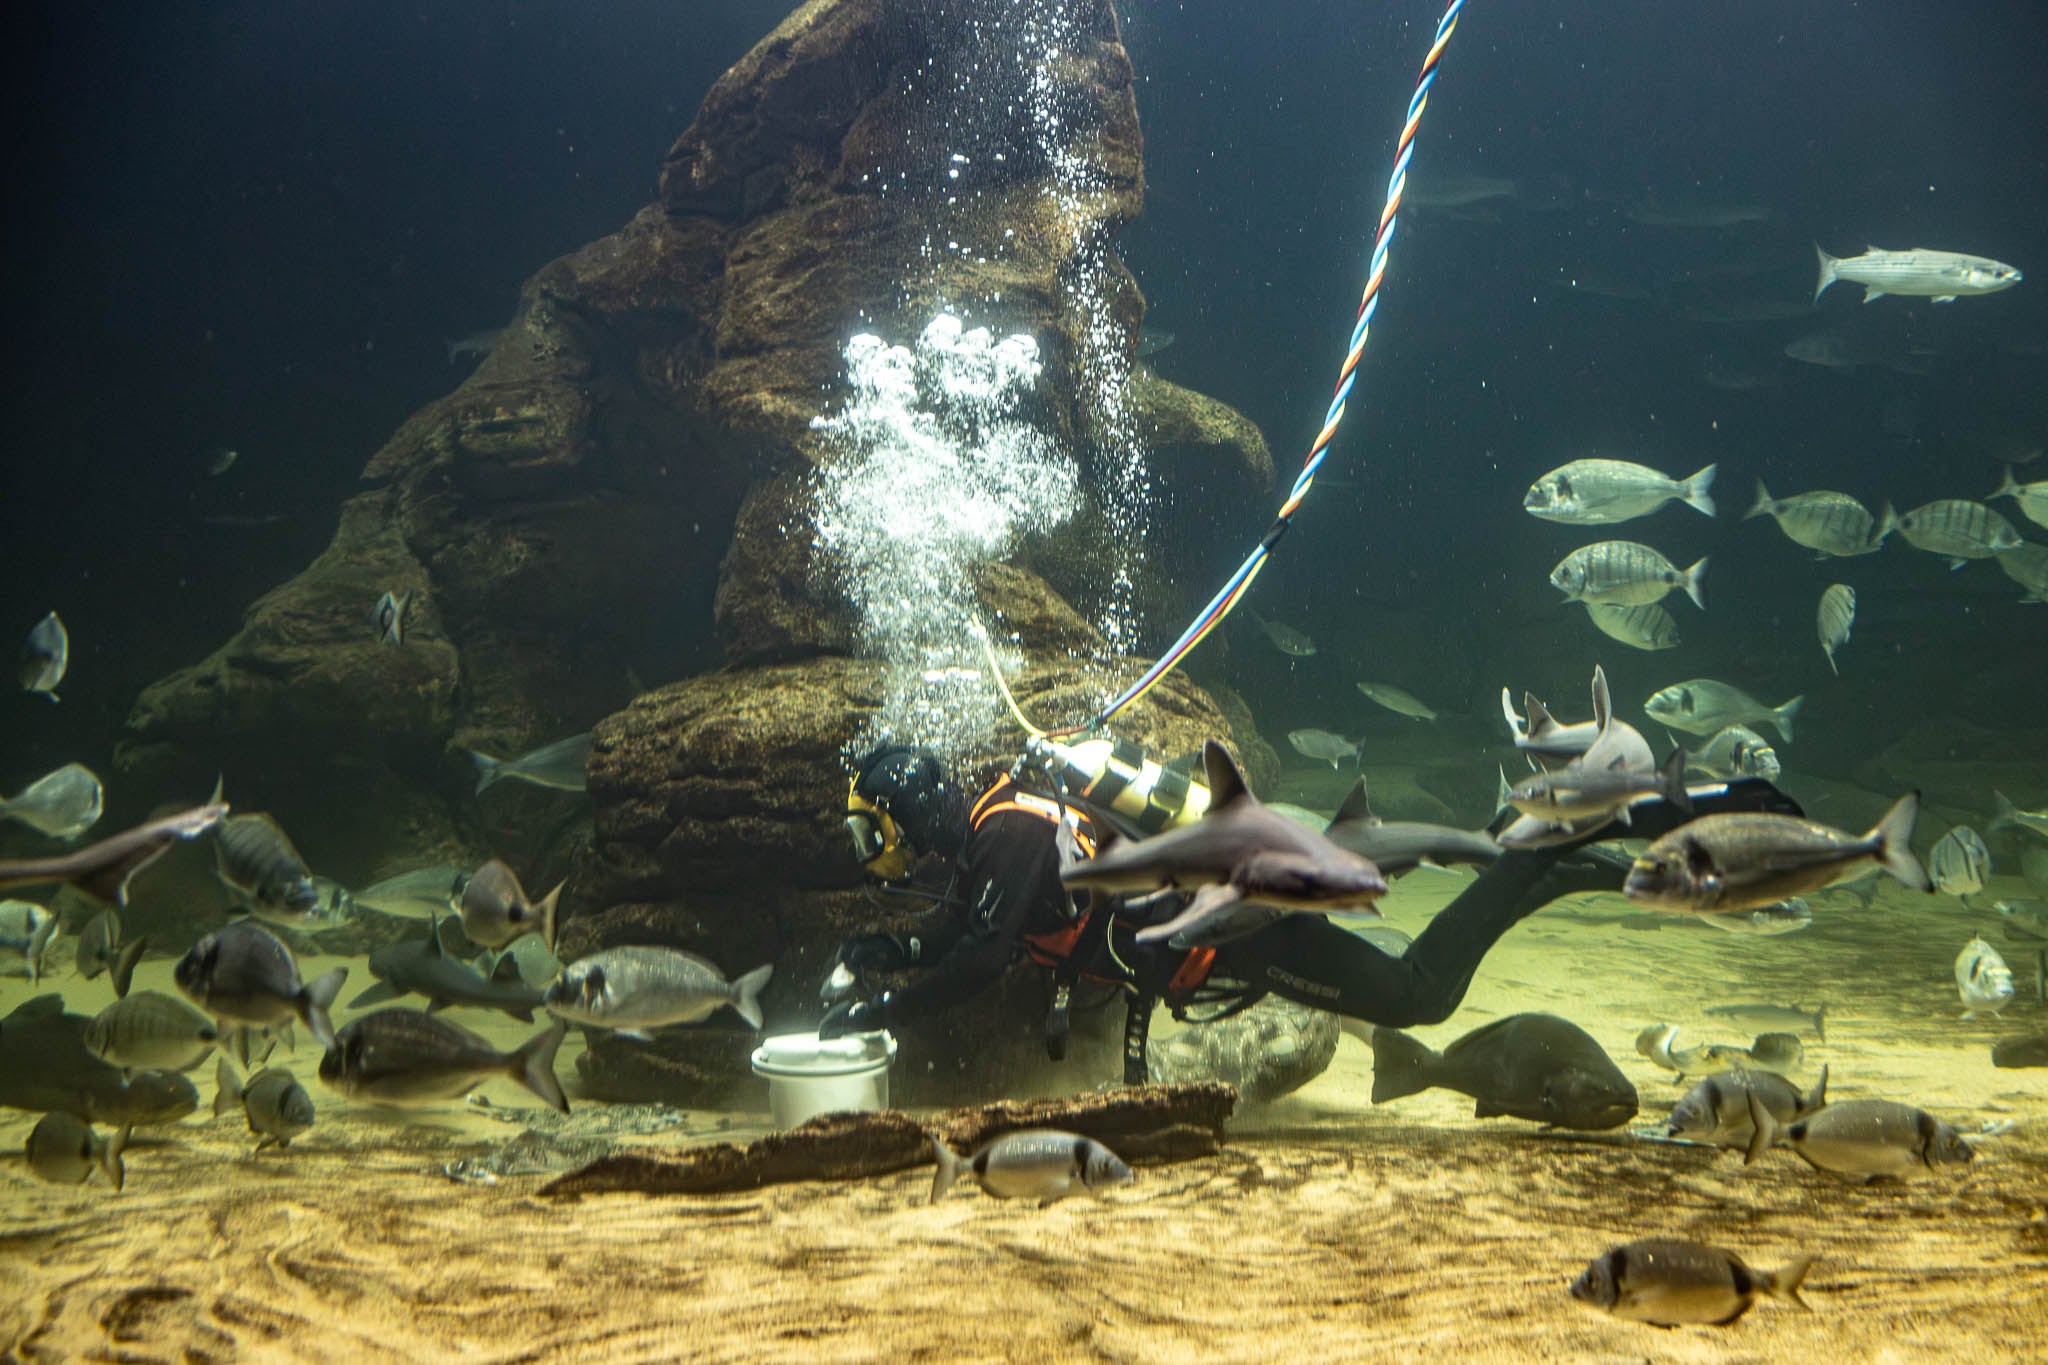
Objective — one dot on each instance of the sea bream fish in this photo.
(1833, 619)
(1958, 530)
(26, 930)
(1960, 863)
(1602, 492)
(100, 949)
(634, 989)
(1982, 979)
(1739, 861)
(1825, 521)
(151, 1031)
(1666, 1282)
(1285, 638)
(62, 804)
(1943, 276)
(1034, 1163)
(46, 657)
(1625, 573)
(2032, 497)
(1736, 751)
(496, 911)
(1325, 746)
(256, 860)
(1700, 706)
(242, 973)
(1239, 855)
(63, 1150)
(404, 1056)
(1861, 1139)
(276, 1106)
(1398, 700)
(559, 766)
(1646, 627)
(2008, 816)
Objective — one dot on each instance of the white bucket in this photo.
(808, 1076)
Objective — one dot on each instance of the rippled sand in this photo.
(1328, 1229)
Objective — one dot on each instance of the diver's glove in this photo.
(880, 952)
(855, 1016)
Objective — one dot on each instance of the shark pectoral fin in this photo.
(1206, 904)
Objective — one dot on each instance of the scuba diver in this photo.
(1004, 897)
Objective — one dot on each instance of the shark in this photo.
(425, 968)
(104, 869)
(1398, 846)
(1246, 864)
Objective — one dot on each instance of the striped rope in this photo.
(1220, 606)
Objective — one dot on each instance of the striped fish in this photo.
(1837, 615)
(1830, 522)
(1959, 530)
(1625, 573)
(1942, 276)
(1648, 626)
(2027, 566)
(2032, 497)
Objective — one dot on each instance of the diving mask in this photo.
(877, 842)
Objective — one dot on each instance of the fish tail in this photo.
(2004, 813)
(1829, 650)
(1765, 1135)
(550, 912)
(1784, 1286)
(110, 1158)
(1695, 584)
(949, 1164)
(1820, 1024)
(1400, 1065)
(1697, 494)
(533, 1066)
(1762, 506)
(488, 770)
(227, 1092)
(316, 999)
(1816, 1098)
(1781, 716)
(1887, 522)
(1894, 836)
(1671, 781)
(1828, 265)
(123, 969)
(2006, 489)
(746, 993)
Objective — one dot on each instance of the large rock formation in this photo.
(621, 490)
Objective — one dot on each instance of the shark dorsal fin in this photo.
(1603, 701)
(507, 970)
(1540, 721)
(1355, 807)
(1226, 780)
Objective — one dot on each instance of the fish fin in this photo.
(1871, 292)
(2006, 489)
(376, 995)
(1938, 298)
(949, 1164)
(122, 972)
(1816, 1098)
(1603, 699)
(638, 1035)
(1887, 522)
(1671, 781)
(435, 1004)
(41, 1007)
(38, 944)
(1400, 1065)
(227, 1089)
(1201, 907)
(1698, 491)
(1225, 778)
(1894, 836)
(1762, 506)
(533, 1066)
(1540, 721)
(110, 883)
(1766, 1130)
(315, 1000)
(1695, 583)
(488, 770)
(110, 1158)
(1831, 660)
(550, 915)
(506, 969)
(523, 1013)
(1784, 1286)
(1781, 716)
(1355, 807)
(1955, 564)
(746, 994)
(1507, 711)
(2003, 812)
(1827, 271)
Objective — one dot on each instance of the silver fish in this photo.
(1736, 751)
(2009, 816)
(255, 859)
(2032, 497)
(1399, 846)
(1861, 1139)
(1325, 747)
(1836, 614)
(1034, 1163)
(1646, 627)
(2027, 565)
(1285, 638)
(64, 1150)
(1700, 706)
(422, 967)
(1666, 1283)
(1841, 349)
(151, 1031)
(496, 911)
(1960, 862)
(276, 1106)
(45, 1065)
(559, 766)
(1738, 861)
(1824, 520)
(1763, 1014)
(1958, 530)
(46, 657)
(100, 950)
(1625, 573)
(404, 1056)
(1982, 979)
(1581, 792)
(242, 973)
(389, 616)
(1716, 1111)
(63, 804)
(633, 990)
(1397, 700)
(1787, 917)
(426, 893)
(26, 929)
(1602, 492)
(1943, 276)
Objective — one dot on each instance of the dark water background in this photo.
(252, 224)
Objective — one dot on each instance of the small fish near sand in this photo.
(408, 1057)
(63, 804)
(1862, 1139)
(1666, 1282)
(151, 1031)
(276, 1106)
(46, 657)
(1830, 523)
(26, 931)
(1739, 861)
(1626, 573)
(632, 990)
(1762, 1014)
(100, 949)
(1943, 276)
(1398, 700)
(1528, 1066)
(1983, 980)
(243, 974)
(1715, 1113)
(1325, 746)
(1833, 619)
(63, 1150)
(558, 767)
(1044, 1164)
(1960, 863)
(1603, 492)
(496, 911)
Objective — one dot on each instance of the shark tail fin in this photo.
(1816, 1098)
(2004, 813)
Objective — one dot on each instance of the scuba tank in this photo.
(1116, 779)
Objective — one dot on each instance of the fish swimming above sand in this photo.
(256, 860)
(273, 1102)
(1603, 492)
(62, 804)
(1943, 276)
(1738, 861)
(1625, 573)
(634, 989)
(404, 1056)
(104, 869)
(242, 973)
(26, 930)
(1983, 979)
(1960, 862)
(559, 766)
(1763, 1014)
(1527, 1066)
(46, 657)
(1237, 856)
(64, 1150)
(1033, 1163)
(151, 1031)
(423, 967)
(1715, 1112)
(1862, 1139)
(45, 1065)
(1670, 1283)
(1825, 521)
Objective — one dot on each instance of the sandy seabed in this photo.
(1326, 1230)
